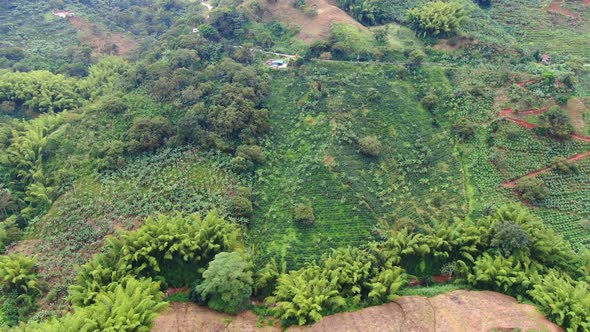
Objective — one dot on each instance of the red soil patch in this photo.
(457, 311)
(312, 28)
(586, 3)
(525, 83)
(101, 43)
(556, 8)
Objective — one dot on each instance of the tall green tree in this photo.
(227, 283)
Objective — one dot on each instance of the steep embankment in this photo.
(455, 311)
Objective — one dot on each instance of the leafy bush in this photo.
(129, 305)
(563, 300)
(510, 238)
(464, 129)
(149, 134)
(303, 296)
(532, 188)
(438, 17)
(304, 214)
(227, 283)
(18, 286)
(174, 249)
(241, 206)
(555, 123)
(563, 166)
(370, 146)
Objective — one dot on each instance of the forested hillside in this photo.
(295, 158)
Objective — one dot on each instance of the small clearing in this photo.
(575, 110)
(457, 311)
(315, 27)
(100, 41)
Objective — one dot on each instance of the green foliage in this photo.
(149, 134)
(17, 273)
(129, 305)
(563, 166)
(532, 188)
(303, 213)
(464, 129)
(227, 283)
(39, 91)
(104, 77)
(370, 146)
(555, 123)
(565, 301)
(502, 274)
(174, 249)
(303, 296)
(510, 238)
(19, 288)
(23, 158)
(437, 18)
(241, 206)
(345, 276)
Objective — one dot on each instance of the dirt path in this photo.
(457, 311)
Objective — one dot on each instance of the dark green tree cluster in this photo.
(555, 123)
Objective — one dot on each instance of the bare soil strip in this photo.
(457, 311)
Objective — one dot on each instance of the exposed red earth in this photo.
(456, 311)
(556, 8)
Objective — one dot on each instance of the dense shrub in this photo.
(227, 283)
(430, 101)
(563, 166)
(555, 123)
(149, 134)
(464, 129)
(532, 188)
(253, 153)
(19, 287)
(128, 305)
(563, 300)
(510, 238)
(436, 18)
(241, 206)
(303, 213)
(370, 146)
(173, 249)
